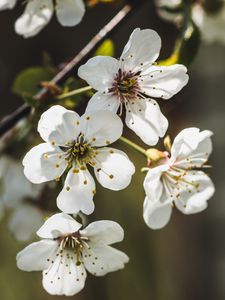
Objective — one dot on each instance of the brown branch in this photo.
(11, 120)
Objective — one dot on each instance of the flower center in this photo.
(177, 180)
(78, 151)
(125, 85)
(74, 243)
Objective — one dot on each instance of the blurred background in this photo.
(186, 259)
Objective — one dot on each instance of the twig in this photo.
(11, 120)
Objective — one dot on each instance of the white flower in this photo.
(25, 218)
(73, 142)
(170, 10)
(211, 25)
(38, 13)
(66, 252)
(177, 180)
(7, 4)
(24, 221)
(133, 81)
(14, 186)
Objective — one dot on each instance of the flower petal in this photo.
(69, 12)
(106, 232)
(99, 72)
(113, 169)
(193, 198)
(156, 214)
(164, 81)
(25, 221)
(44, 163)
(78, 192)
(102, 101)
(59, 126)
(7, 4)
(58, 224)
(146, 120)
(141, 50)
(102, 259)
(101, 128)
(35, 256)
(19, 187)
(191, 147)
(37, 14)
(64, 277)
(152, 183)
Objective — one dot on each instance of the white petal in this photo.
(193, 199)
(7, 4)
(99, 72)
(104, 259)
(156, 214)
(107, 232)
(64, 277)
(44, 163)
(37, 14)
(101, 128)
(163, 82)
(58, 224)
(152, 183)
(113, 169)
(78, 192)
(69, 12)
(19, 187)
(141, 50)
(59, 126)
(102, 101)
(25, 221)
(168, 3)
(146, 120)
(192, 147)
(35, 256)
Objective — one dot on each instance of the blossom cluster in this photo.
(38, 13)
(75, 147)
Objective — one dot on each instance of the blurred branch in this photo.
(7, 123)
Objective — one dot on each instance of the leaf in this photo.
(190, 45)
(186, 48)
(28, 81)
(107, 48)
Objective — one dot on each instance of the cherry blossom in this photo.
(24, 218)
(73, 143)
(38, 13)
(176, 179)
(66, 251)
(133, 81)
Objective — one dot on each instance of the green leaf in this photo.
(28, 81)
(29, 99)
(107, 48)
(190, 45)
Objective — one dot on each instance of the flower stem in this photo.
(74, 92)
(133, 145)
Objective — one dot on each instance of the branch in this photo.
(11, 120)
